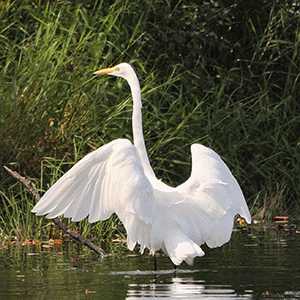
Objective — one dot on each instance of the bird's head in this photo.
(123, 70)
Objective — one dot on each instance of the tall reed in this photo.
(222, 74)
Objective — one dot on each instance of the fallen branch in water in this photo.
(74, 235)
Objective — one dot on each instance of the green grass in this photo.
(224, 75)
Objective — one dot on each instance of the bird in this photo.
(118, 178)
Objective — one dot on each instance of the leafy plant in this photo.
(222, 73)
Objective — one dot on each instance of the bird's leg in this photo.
(175, 267)
(155, 262)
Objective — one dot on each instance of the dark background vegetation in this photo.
(222, 73)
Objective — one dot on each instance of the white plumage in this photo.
(117, 178)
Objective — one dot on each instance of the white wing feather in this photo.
(212, 197)
(107, 180)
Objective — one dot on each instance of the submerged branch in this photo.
(74, 235)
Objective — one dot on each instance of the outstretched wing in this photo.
(107, 180)
(212, 192)
(210, 176)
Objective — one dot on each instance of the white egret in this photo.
(117, 178)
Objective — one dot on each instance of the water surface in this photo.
(253, 265)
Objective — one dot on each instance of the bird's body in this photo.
(117, 178)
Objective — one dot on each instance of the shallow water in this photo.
(253, 265)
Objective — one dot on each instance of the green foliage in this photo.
(222, 73)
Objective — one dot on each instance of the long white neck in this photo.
(137, 125)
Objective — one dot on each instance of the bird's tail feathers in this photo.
(180, 248)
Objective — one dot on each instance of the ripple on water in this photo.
(264, 265)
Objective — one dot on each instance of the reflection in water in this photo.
(183, 288)
(253, 265)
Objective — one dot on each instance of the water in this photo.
(253, 265)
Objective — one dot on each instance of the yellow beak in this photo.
(106, 71)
